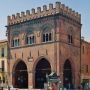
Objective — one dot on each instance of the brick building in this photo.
(41, 42)
(85, 64)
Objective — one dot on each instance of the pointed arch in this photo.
(41, 68)
(68, 74)
(20, 75)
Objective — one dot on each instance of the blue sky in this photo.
(9, 7)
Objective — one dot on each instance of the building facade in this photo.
(3, 63)
(42, 42)
(85, 64)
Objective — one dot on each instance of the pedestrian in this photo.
(69, 85)
(54, 86)
(8, 87)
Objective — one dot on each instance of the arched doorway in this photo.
(20, 76)
(42, 68)
(67, 75)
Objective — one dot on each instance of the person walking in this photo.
(54, 86)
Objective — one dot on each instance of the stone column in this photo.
(77, 78)
(58, 60)
(61, 79)
(30, 80)
(10, 80)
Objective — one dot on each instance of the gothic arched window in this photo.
(46, 33)
(70, 35)
(15, 42)
(30, 37)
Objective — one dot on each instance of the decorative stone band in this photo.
(59, 8)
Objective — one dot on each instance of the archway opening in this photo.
(42, 68)
(20, 76)
(67, 75)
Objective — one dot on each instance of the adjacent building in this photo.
(3, 63)
(42, 42)
(85, 63)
